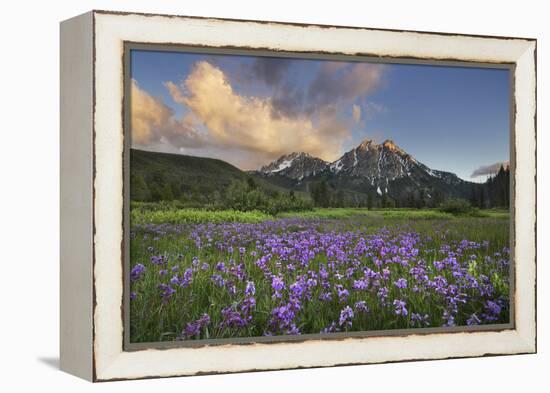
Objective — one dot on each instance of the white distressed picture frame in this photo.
(92, 143)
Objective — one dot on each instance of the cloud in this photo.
(249, 130)
(339, 81)
(288, 101)
(153, 122)
(486, 170)
(334, 83)
(247, 123)
(356, 113)
(270, 70)
(175, 92)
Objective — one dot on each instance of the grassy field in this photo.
(217, 274)
(196, 216)
(154, 213)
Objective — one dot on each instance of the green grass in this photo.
(326, 213)
(153, 320)
(497, 213)
(195, 216)
(158, 213)
(405, 214)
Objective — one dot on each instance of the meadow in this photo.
(201, 274)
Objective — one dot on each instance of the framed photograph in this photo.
(246, 195)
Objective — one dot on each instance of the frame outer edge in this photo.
(76, 196)
(526, 221)
(115, 365)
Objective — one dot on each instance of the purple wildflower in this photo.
(194, 328)
(360, 284)
(343, 293)
(400, 307)
(231, 318)
(158, 260)
(218, 280)
(166, 291)
(419, 320)
(361, 306)
(330, 329)
(401, 283)
(250, 289)
(492, 307)
(346, 316)
(277, 283)
(473, 320)
(136, 272)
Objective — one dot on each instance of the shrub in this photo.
(456, 206)
(244, 196)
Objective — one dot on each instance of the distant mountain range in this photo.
(380, 172)
(368, 168)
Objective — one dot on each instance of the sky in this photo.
(250, 110)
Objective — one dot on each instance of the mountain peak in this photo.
(389, 144)
(296, 165)
(365, 143)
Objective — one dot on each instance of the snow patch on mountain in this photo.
(376, 165)
(283, 165)
(336, 166)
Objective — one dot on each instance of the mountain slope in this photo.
(370, 168)
(369, 171)
(295, 166)
(164, 176)
(384, 163)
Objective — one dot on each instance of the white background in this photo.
(29, 196)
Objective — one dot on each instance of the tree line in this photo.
(247, 195)
(324, 196)
(243, 195)
(495, 192)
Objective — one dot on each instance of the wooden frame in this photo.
(92, 173)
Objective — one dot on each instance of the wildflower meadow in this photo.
(211, 275)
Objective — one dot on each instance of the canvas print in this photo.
(283, 196)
